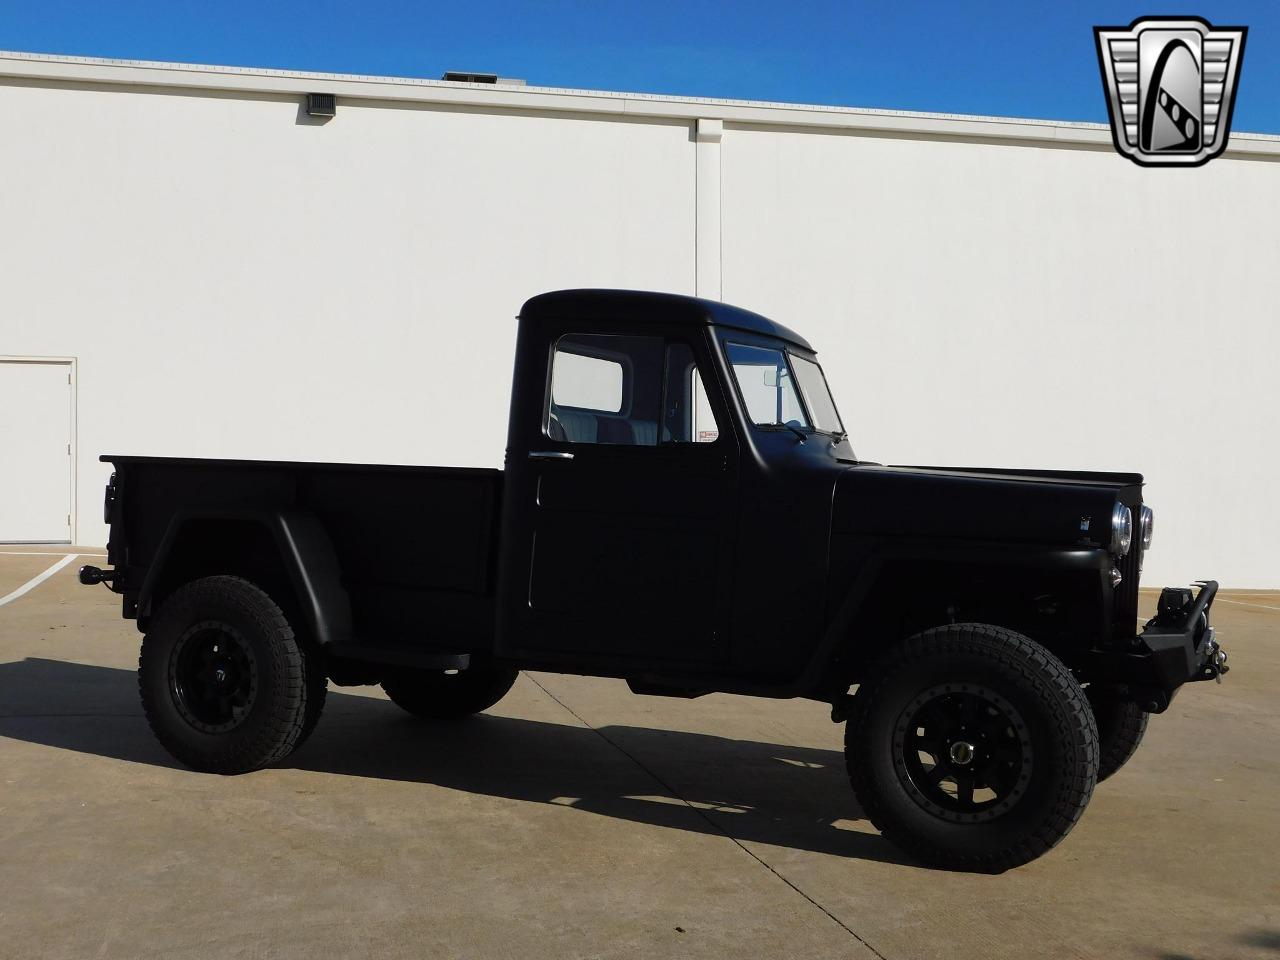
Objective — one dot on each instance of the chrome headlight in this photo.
(1121, 529)
(1146, 523)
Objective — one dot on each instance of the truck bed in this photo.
(416, 544)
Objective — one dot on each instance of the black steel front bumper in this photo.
(1177, 646)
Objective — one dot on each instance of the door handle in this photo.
(550, 455)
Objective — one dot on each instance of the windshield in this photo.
(770, 391)
(817, 395)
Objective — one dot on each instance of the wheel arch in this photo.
(287, 553)
(1053, 595)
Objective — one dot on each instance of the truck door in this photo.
(632, 489)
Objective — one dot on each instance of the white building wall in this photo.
(1030, 306)
(237, 280)
(235, 284)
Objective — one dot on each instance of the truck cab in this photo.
(668, 491)
(681, 508)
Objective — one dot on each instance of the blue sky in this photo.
(1010, 59)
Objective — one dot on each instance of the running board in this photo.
(401, 656)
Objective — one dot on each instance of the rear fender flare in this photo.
(305, 552)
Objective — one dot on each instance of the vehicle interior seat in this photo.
(578, 426)
(644, 433)
(575, 426)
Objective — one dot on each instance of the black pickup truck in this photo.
(681, 508)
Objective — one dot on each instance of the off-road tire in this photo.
(317, 684)
(278, 710)
(1056, 721)
(436, 695)
(1121, 727)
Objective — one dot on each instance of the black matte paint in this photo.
(766, 562)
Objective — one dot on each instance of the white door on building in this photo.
(35, 451)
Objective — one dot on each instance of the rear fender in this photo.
(207, 543)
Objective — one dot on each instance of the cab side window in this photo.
(606, 389)
(631, 391)
(687, 414)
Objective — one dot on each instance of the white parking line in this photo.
(37, 580)
(40, 553)
(1241, 603)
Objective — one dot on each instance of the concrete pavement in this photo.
(577, 820)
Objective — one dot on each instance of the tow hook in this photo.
(89, 575)
(841, 708)
(1215, 664)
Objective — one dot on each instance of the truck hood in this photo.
(1070, 508)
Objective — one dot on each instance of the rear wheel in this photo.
(223, 680)
(441, 695)
(1121, 727)
(972, 748)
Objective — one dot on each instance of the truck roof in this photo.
(642, 305)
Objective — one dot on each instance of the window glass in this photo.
(817, 395)
(687, 415)
(592, 383)
(766, 385)
(705, 427)
(606, 389)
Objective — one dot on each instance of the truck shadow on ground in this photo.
(784, 795)
(1267, 941)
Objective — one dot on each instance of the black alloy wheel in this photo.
(226, 684)
(963, 752)
(972, 747)
(213, 675)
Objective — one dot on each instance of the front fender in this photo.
(1057, 595)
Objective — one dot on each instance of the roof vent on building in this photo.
(322, 105)
(461, 76)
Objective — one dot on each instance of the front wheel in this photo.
(445, 695)
(1121, 727)
(973, 747)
